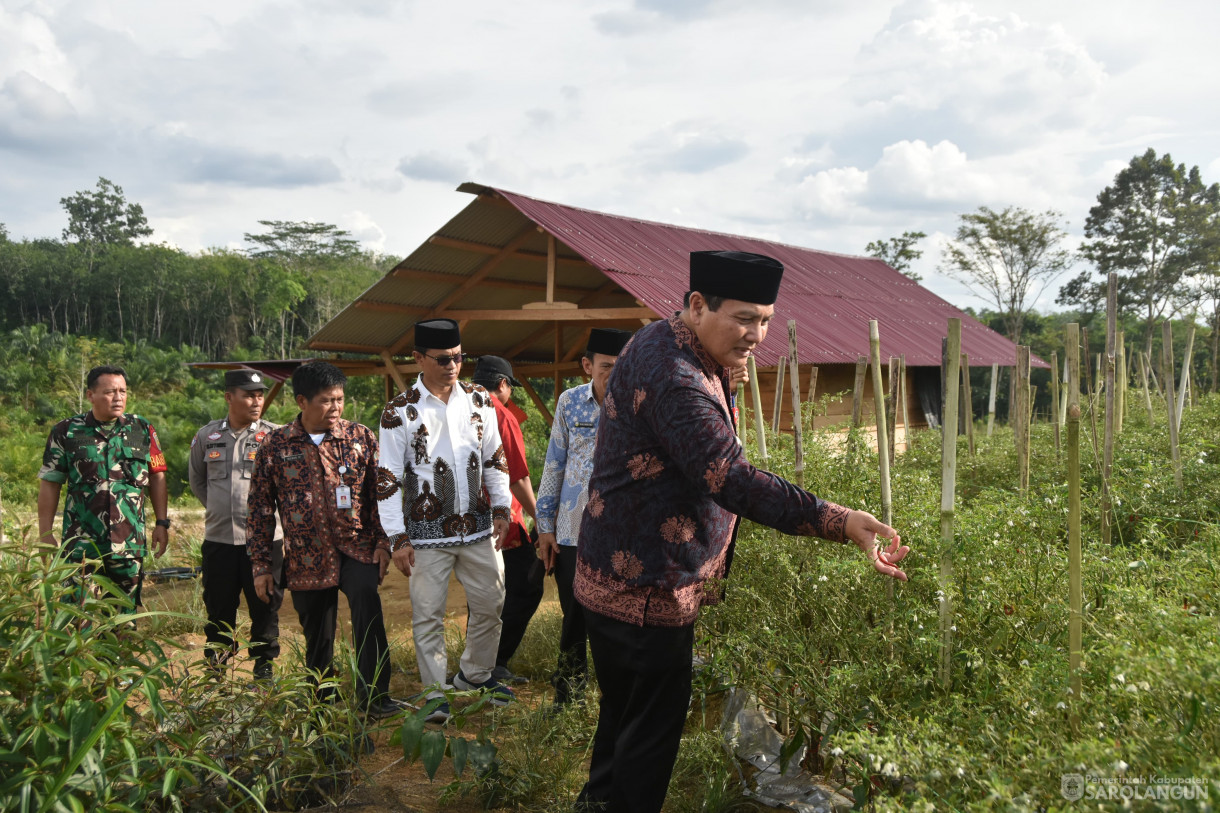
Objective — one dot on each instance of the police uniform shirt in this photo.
(221, 464)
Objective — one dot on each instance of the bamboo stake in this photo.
(778, 403)
(741, 412)
(904, 396)
(1085, 369)
(1156, 383)
(883, 445)
(891, 406)
(756, 401)
(1076, 616)
(795, 380)
(1120, 364)
(1144, 379)
(1190, 346)
(1107, 464)
(995, 374)
(813, 400)
(1167, 369)
(1063, 404)
(948, 489)
(967, 403)
(1055, 393)
(857, 395)
(1021, 418)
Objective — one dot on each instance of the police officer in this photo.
(221, 463)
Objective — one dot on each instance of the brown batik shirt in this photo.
(298, 478)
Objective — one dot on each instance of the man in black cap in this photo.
(563, 493)
(522, 570)
(669, 485)
(220, 465)
(443, 497)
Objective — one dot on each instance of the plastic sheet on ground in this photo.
(751, 735)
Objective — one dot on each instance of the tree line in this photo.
(262, 300)
(1157, 226)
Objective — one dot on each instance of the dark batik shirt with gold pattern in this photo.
(443, 473)
(299, 478)
(670, 481)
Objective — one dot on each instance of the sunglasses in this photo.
(445, 361)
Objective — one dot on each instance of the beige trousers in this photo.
(480, 570)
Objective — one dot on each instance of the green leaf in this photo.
(458, 747)
(410, 732)
(432, 751)
(482, 756)
(169, 782)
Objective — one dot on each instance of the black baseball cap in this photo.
(491, 369)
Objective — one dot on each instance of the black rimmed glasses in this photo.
(445, 361)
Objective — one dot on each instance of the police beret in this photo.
(245, 379)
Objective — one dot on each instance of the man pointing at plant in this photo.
(670, 483)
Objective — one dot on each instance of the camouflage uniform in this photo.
(106, 470)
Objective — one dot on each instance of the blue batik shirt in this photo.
(564, 489)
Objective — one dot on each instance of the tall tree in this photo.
(103, 217)
(899, 252)
(302, 245)
(1154, 225)
(1008, 258)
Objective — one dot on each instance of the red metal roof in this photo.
(832, 297)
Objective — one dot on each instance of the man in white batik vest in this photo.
(439, 447)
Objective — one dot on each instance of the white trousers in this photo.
(480, 571)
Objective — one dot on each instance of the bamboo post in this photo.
(967, 403)
(1120, 364)
(1085, 369)
(883, 445)
(904, 396)
(891, 406)
(778, 404)
(857, 395)
(741, 412)
(1186, 382)
(1167, 370)
(948, 489)
(995, 375)
(1055, 394)
(795, 380)
(1156, 383)
(1063, 404)
(756, 401)
(1107, 459)
(813, 396)
(1144, 380)
(1075, 593)
(1021, 417)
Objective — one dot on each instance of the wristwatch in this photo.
(162, 523)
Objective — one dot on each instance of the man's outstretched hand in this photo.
(866, 531)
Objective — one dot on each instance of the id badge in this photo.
(343, 497)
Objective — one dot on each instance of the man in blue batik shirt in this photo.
(562, 495)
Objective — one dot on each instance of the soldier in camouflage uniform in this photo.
(108, 459)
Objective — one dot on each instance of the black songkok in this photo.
(437, 334)
(607, 341)
(736, 275)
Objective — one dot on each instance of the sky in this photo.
(820, 123)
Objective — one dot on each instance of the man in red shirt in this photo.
(522, 568)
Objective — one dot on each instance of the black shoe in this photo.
(505, 675)
(386, 707)
(263, 671)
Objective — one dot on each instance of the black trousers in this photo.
(645, 679)
(317, 610)
(522, 595)
(227, 574)
(572, 675)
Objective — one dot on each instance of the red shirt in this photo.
(514, 449)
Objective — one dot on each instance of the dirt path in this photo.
(392, 786)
